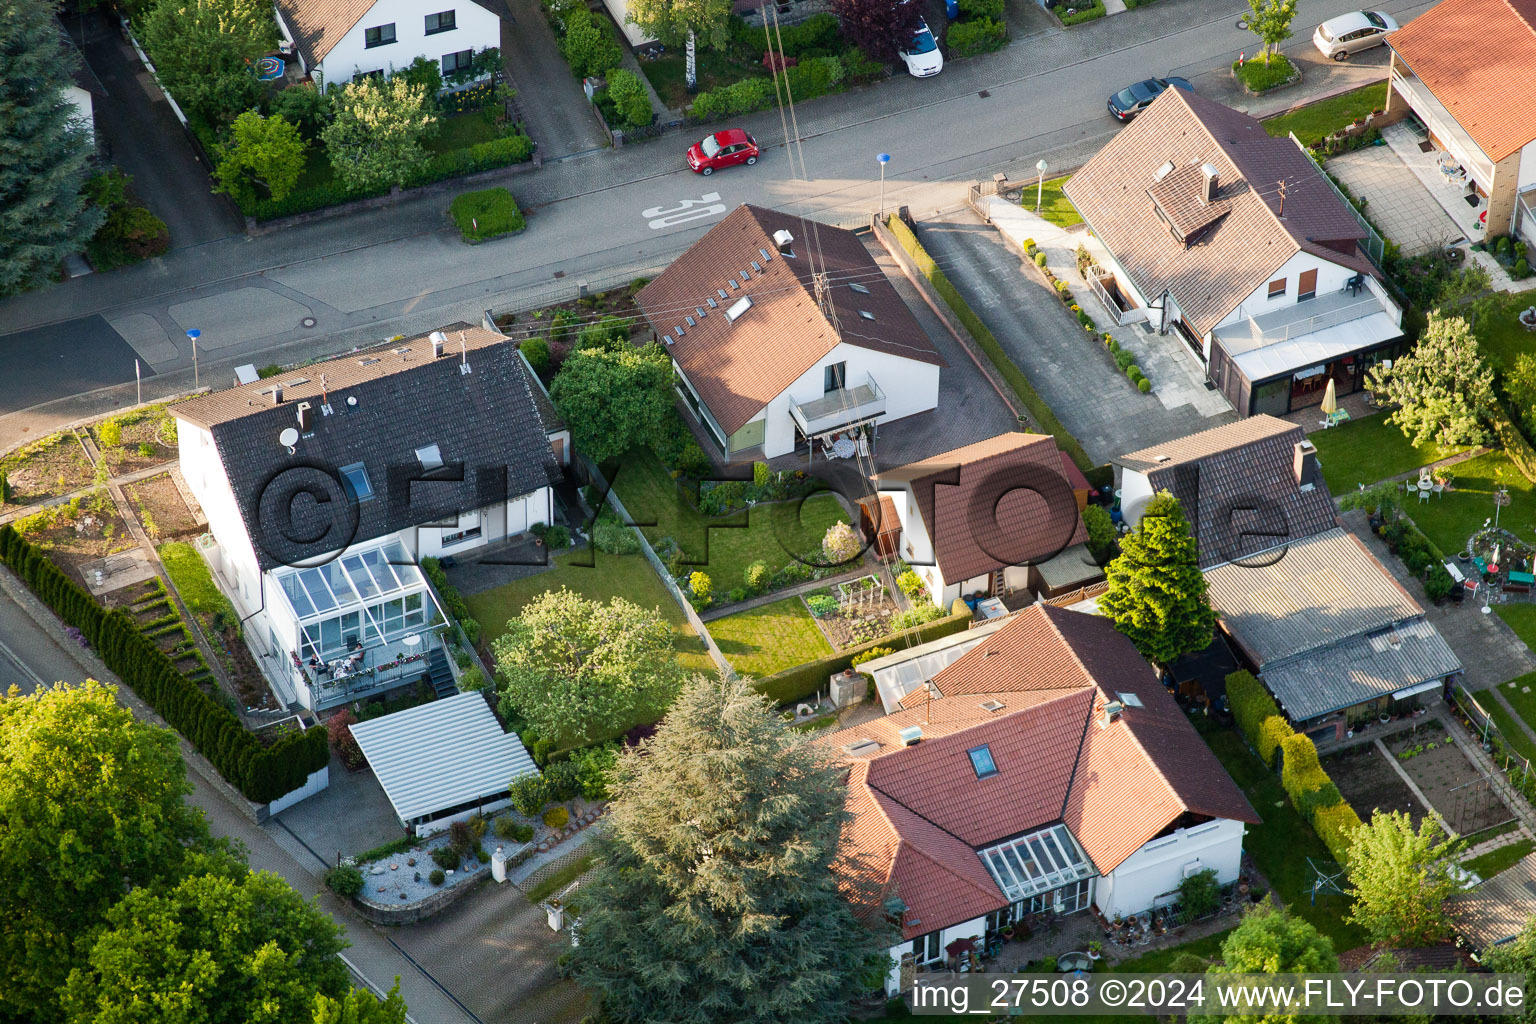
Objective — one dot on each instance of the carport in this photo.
(443, 761)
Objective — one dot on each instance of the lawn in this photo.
(1520, 691)
(1369, 449)
(1509, 729)
(713, 67)
(626, 576)
(1450, 519)
(463, 130)
(1315, 120)
(725, 545)
(1281, 844)
(1054, 205)
(1494, 861)
(1260, 75)
(1500, 333)
(194, 582)
(769, 639)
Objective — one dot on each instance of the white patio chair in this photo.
(1423, 495)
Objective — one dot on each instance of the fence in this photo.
(1492, 738)
(1372, 243)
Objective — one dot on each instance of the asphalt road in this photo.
(607, 216)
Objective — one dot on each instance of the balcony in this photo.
(369, 669)
(1311, 332)
(844, 407)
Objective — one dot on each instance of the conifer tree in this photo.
(1157, 594)
(43, 150)
(715, 898)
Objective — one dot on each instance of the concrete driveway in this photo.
(555, 109)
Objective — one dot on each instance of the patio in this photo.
(1398, 201)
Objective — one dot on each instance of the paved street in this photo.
(607, 215)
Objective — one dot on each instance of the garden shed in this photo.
(443, 761)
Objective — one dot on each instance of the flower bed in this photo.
(1260, 75)
(852, 613)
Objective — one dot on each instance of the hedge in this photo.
(968, 38)
(1272, 733)
(1252, 708)
(816, 76)
(262, 773)
(803, 680)
(1335, 826)
(810, 37)
(1011, 373)
(1300, 770)
(1515, 445)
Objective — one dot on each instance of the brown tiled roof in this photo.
(1178, 194)
(1477, 57)
(977, 513)
(738, 368)
(1244, 240)
(1237, 485)
(1446, 956)
(1042, 649)
(920, 813)
(318, 25)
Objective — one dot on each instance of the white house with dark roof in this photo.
(337, 41)
(1206, 226)
(323, 486)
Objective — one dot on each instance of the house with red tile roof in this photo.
(1463, 68)
(784, 343)
(1234, 243)
(993, 517)
(1045, 772)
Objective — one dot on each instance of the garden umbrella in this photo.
(1330, 399)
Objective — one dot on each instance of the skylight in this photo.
(1037, 862)
(1130, 700)
(866, 314)
(739, 307)
(430, 457)
(981, 760)
(354, 479)
(859, 288)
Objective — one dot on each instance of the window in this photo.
(925, 948)
(381, 35)
(835, 377)
(981, 760)
(355, 479)
(455, 62)
(859, 288)
(1306, 285)
(739, 307)
(1277, 288)
(440, 22)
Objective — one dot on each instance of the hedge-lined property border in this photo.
(803, 680)
(989, 344)
(1312, 792)
(262, 774)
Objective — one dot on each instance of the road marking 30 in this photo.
(707, 205)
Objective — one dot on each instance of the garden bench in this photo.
(1456, 574)
(1520, 582)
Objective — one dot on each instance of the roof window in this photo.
(981, 760)
(866, 314)
(721, 293)
(712, 303)
(757, 267)
(690, 321)
(430, 457)
(766, 257)
(859, 288)
(1130, 700)
(354, 479)
(739, 307)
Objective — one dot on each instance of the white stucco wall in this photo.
(909, 386)
(1330, 278)
(318, 780)
(975, 927)
(201, 467)
(81, 101)
(1135, 492)
(476, 28)
(1158, 867)
(1527, 175)
(497, 523)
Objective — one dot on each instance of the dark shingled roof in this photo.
(1219, 475)
(486, 425)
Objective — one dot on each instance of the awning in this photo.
(1433, 684)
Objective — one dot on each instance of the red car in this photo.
(722, 149)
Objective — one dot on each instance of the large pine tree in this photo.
(43, 152)
(715, 900)
(1156, 592)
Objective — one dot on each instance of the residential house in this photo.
(342, 40)
(1245, 487)
(766, 364)
(1463, 69)
(1236, 242)
(994, 517)
(1045, 772)
(323, 486)
(1331, 633)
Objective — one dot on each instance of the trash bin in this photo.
(952, 9)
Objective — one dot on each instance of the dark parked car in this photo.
(1133, 99)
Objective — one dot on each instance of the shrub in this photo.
(344, 880)
(557, 817)
(968, 38)
(445, 857)
(529, 795)
(757, 575)
(841, 544)
(558, 537)
(436, 877)
(1272, 733)
(560, 781)
(614, 538)
(593, 768)
(741, 97)
(700, 585)
(1029, 246)
(629, 99)
(1040, 262)
(587, 45)
(870, 655)
(911, 584)
(514, 831)
(920, 613)
(488, 213)
(817, 76)
(1335, 826)
(982, 9)
(110, 433)
(1300, 771)
(129, 234)
(1521, 268)
(1200, 893)
(536, 351)
(1143, 385)
(821, 605)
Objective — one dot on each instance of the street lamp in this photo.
(884, 159)
(194, 334)
(1041, 168)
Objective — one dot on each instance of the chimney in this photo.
(303, 411)
(783, 240)
(277, 394)
(1109, 713)
(1208, 190)
(1306, 466)
(439, 340)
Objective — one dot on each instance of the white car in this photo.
(923, 58)
(1350, 33)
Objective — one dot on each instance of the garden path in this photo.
(866, 567)
(1516, 803)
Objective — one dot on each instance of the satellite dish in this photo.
(352, 400)
(288, 438)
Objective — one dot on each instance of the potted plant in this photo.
(1007, 932)
(1095, 950)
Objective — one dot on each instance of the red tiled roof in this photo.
(977, 511)
(1478, 57)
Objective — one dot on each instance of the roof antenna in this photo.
(1282, 198)
(463, 356)
(324, 400)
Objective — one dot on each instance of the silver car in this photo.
(1339, 37)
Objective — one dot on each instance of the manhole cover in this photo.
(984, 94)
(1242, 23)
(308, 321)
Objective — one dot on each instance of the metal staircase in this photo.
(439, 674)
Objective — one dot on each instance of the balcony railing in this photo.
(843, 407)
(1328, 311)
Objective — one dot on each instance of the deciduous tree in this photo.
(1271, 941)
(204, 52)
(1443, 389)
(683, 21)
(43, 151)
(880, 28)
(266, 151)
(1157, 594)
(375, 135)
(1518, 956)
(359, 1007)
(91, 805)
(1270, 20)
(841, 544)
(1400, 879)
(578, 669)
(614, 401)
(716, 898)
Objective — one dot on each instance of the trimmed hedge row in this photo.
(803, 680)
(968, 38)
(989, 344)
(814, 77)
(262, 773)
(1252, 708)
